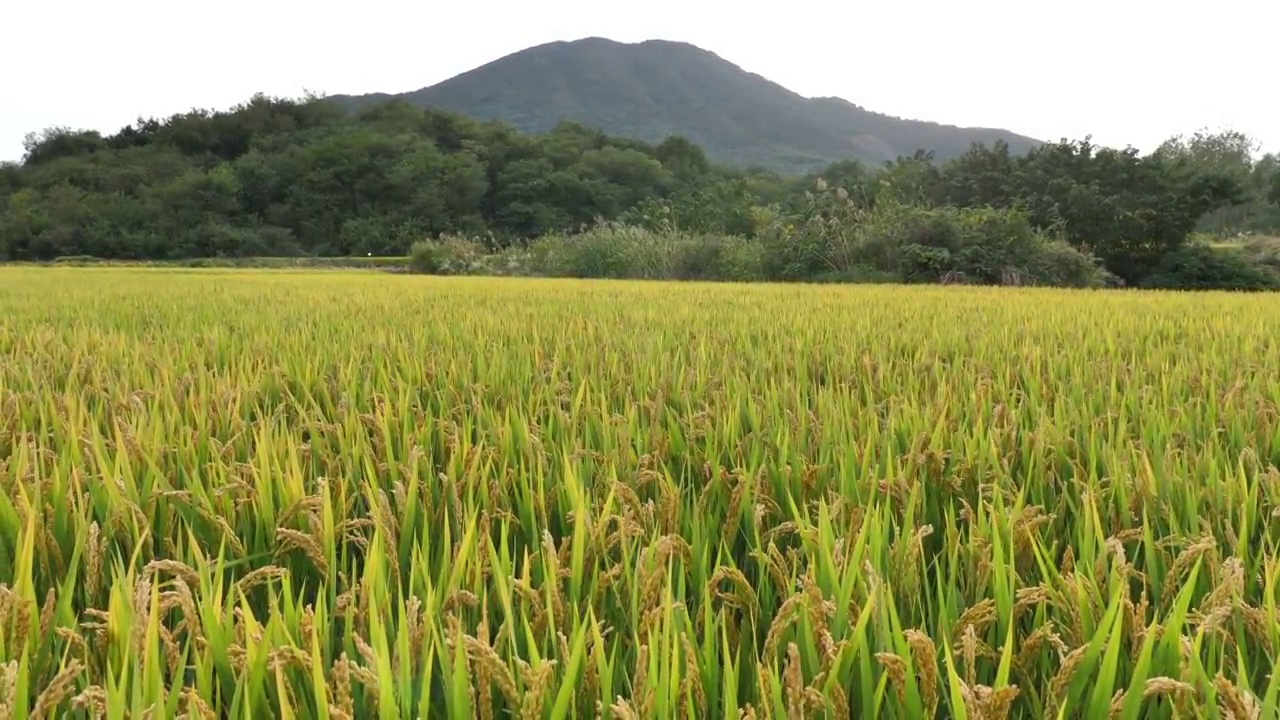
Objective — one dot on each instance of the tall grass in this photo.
(321, 495)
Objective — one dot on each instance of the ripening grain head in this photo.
(303, 493)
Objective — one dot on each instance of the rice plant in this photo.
(341, 495)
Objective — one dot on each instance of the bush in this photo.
(613, 250)
(77, 260)
(1061, 264)
(792, 253)
(1264, 251)
(218, 240)
(601, 252)
(818, 239)
(925, 263)
(448, 256)
(832, 240)
(511, 262)
(427, 257)
(716, 257)
(832, 237)
(1200, 267)
(985, 246)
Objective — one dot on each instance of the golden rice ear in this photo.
(1236, 703)
(286, 494)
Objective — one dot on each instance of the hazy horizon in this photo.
(1136, 78)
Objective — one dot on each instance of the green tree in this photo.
(728, 207)
(1273, 192)
(289, 177)
(685, 159)
(1127, 209)
(10, 178)
(1227, 152)
(981, 177)
(914, 180)
(631, 174)
(438, 192)
(42, 224)
(60, 142)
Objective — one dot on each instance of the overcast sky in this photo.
(1128, 72)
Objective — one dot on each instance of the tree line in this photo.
(282, 177)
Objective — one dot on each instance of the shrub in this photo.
(740, 260)
(218, 240)
(619, 251)
(925, 263)
(1264, 251)
(985, 246)
(447, 256)
(832, 240)
(792, 253)
(1061, 264)
(818, 239)
(426, 257)
(832, 236)
(511, 262)
(601, 252)
(716, 257)
(77, 260)
(1200, 267)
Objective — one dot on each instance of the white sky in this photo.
(1126, 71)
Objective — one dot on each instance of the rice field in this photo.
(293, 494)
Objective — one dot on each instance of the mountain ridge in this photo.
(652, 89)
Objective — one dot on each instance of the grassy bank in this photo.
(349, 263)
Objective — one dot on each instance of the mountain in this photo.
(657, 88)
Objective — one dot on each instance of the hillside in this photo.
(655, 89)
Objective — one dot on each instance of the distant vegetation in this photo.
(654, 89)
(303, 179)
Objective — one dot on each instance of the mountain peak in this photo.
(601, 41)
(598, 44)
(656, 88)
